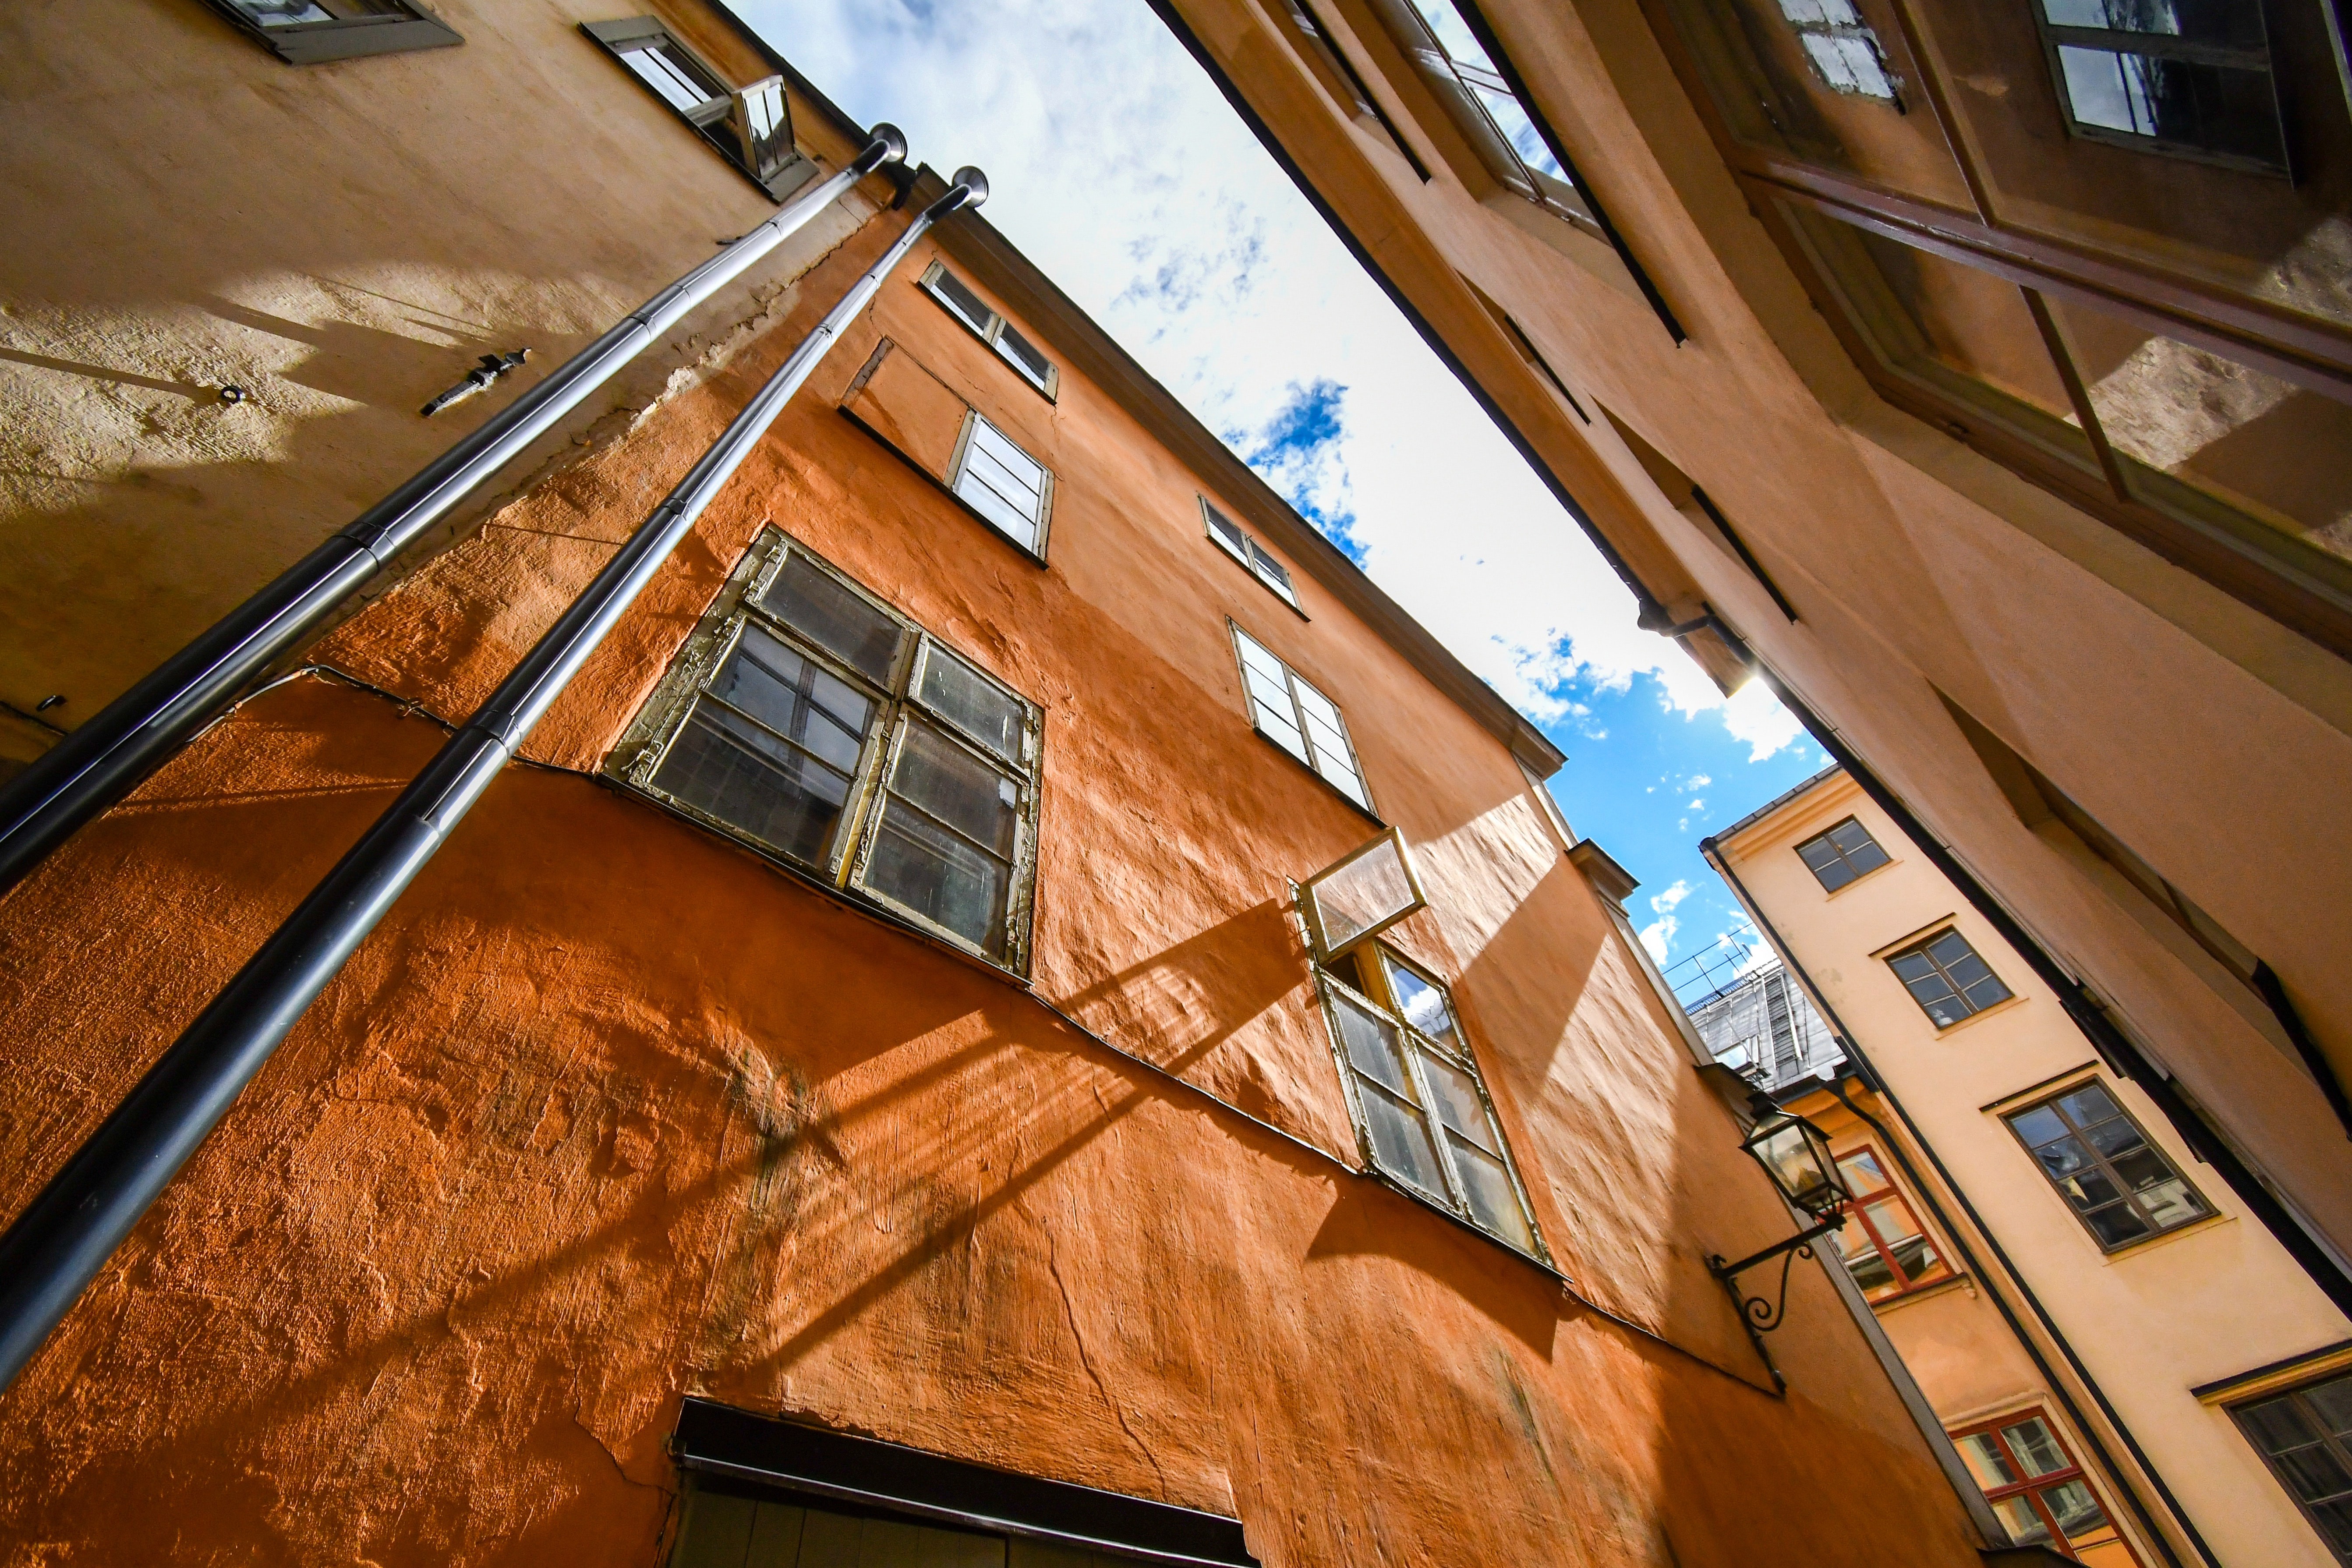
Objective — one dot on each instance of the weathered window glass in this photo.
(1295, 716)
(2036, 1488)
(816, 725)
(1886, 1249)
(1235, 541)
(1361, 894)
(1005, 485)
(965, 305)
(1839, 856)
(2116, 1182)
(2187, 77)
(2306, 1437)
(1422, 1110)
(1947, 979)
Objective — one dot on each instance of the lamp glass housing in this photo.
(1796, 1155)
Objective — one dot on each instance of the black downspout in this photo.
(1876, 1082)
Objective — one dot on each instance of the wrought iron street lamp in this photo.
(1796, 1154)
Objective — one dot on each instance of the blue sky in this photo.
(1116, 167)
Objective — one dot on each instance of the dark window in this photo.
(2305, 1437)
(306, 32)
(2036, 1488)
(820, 727)
(992, 328)
(2187, 77)
(752, 125)
(1947, 979)
(1886, 1249)
(1235, 541)
(2119, 1185)
(1844, 853)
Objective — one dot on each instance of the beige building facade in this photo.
(2122, 1354)
(1978, 376)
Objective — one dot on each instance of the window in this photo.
(1229, 537)
(1947, 979)
(994, 329)
(306, 32)
(1299, 719)
(2119, 1185)
(2306, 1437)
(1841, 855)
(1886, 1249)
(810, 721)
(2036, 1488)
(752, 125)
(1421, 1109)
(1840, 47)
(2186, 76)
(1010, 491)
(1341, 81)
(1455, 68)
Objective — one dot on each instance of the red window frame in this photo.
(1857, 1214)
(2031, 1487)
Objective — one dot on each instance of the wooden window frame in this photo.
(2162, 46)
(355, 36)
(1368, 958)
(2338, 1446)
(2008, 1115)
(636, 759)
(1857, 1210)
(1969, 1005)
(1824, 837)
(993, 331)
(2031, 1488)
(1261, 564)
(1292, 681)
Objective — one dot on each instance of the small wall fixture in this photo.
(1796, 1155)
(478, 379)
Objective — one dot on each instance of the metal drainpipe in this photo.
(104, 759)
(1875, 1082)
(48, 1256)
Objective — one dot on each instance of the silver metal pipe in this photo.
(103, 759)
(48, 1256)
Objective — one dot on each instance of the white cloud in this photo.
(1661, 902)
(1697, 804)
(1659, 935)
(1699, 781)
(1196, 253)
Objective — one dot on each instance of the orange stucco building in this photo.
(864, 1087)
(1976, 375)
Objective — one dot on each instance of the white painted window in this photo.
(1005, 485)
(1235, 541)
(1294, 715)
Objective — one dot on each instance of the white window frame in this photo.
(1316, 756)
(1252, 557)
(636, 760)
(963, 470)
(313, 33)
(750, 126)
(994, 331)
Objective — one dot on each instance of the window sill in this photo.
(2147, 1244)
(1365, 811)
(1945, 1031)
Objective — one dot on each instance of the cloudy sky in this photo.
(1120, 169)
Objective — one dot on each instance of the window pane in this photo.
(738, 774)
(809, 600)
(1493, 1202)
(2072, 1505)
(2114, 1139)
(1399, 1136)
(1863, 1172)
(2331, 1402)
(1371, 1043)
(960, 298)
(2115, 1224)
(773, 684)
(281, 13)
(1025, 355)
(1986, 1461)
(1871, 1270)
(1227, 534)
(930, 870)
(1017, 524)
(1365, 891)
(976, 799)
(2035, 1446)
(1822, 858)
(1423, 1004)
(1275, 575)
(1854, 842)
(2025, 1526)
(1025, 470)
(1478, 73)
(2039, 1125)
(672, 74)
(974, 704)
(2277, 1424)
(2212, 108)
(2089, 1103)
(2315, 1472)
(1458, 1105)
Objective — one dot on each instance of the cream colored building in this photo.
(2090, 1311)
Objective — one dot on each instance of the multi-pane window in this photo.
(2189, 76)
(1886, 1249)
(2037, 1489)
(2306, 1437)
(1230, 537)
(1457, 69)
(1840, 47)
(1012, 491)
(752, 125)
(304, 32)
(992, 328)
(2119, 1185)
(1300, 720)
(1839, 856)
(812, 721)
(1421, 1107)
(1947, 979)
